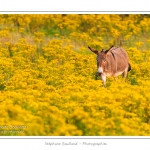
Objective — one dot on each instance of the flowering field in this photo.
(47, 75)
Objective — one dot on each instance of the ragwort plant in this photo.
(47, 75)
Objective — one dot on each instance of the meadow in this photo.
(47, 75)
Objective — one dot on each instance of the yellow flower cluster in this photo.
(47, 75)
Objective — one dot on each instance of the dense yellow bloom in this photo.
(47, 75)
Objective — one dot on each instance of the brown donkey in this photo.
(112, 62)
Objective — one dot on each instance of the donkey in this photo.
(112, 62)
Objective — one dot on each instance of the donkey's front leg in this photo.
(103, 77)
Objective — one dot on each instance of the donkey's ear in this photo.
(93, 50)
(110, 49)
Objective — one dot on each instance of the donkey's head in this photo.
(101, 58)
